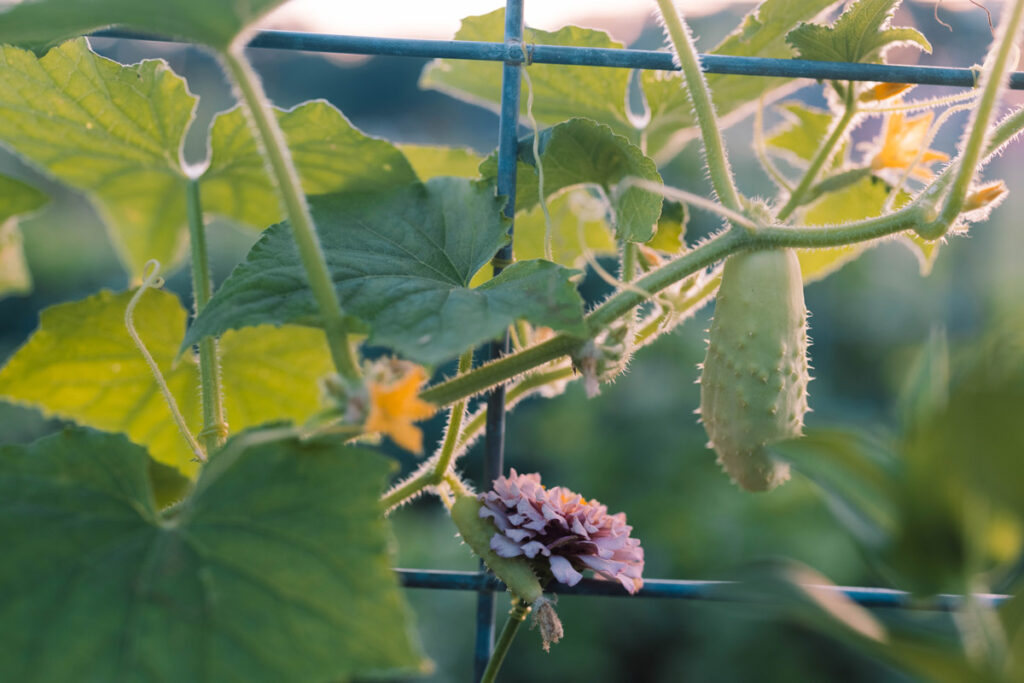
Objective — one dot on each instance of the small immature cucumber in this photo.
(754, 386)
(515, 572)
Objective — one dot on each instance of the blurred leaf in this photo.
(560, 91)
(924, 251)
(38, 23)
(430, 161)
(410, 285)
(584, 151)
(565, 243)
(858, 475)
(15, 198)
(169, 484)
(926, 385)
(802, 132)
(275, 568)
(114, 132)
(979, 434)
(761, 34)
(81, 365)
(862, 199)
(330, 155)
(860, 34)
(670, 233)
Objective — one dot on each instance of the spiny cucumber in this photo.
(754, 382)
(515, 572)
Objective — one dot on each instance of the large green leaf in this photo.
(430, 161)
(81, 365)
(860, 34)
(761, 34)
(15, 198)
(402, 261)
(559, 91)
(38, 23)
(583, 151)
(802, 133)
(330, 155)
(111, 131)
(566, 247)
(276, 568)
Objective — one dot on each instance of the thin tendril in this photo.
(761, 149)
(540, 167)
(588, 253)
(687, 198)
(917, 105)
(151, 280)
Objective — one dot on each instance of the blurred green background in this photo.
(637, 447)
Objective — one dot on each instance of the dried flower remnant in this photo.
(394, 402)
(902, 138)
(561, 532)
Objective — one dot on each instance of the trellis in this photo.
(515, 54)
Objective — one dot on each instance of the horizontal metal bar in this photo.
(592, 56)
(677, 589)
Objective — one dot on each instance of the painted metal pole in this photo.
(494, 436)
(517, 53)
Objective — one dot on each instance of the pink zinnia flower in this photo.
(570, 532)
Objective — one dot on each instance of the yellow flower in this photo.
(984, 196)
(884, 91)
(902, 138)
(395, 405)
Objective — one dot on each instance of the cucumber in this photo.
(754, 381)
(515, 572)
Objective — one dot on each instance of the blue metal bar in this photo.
(494, 435)
(591, 56)
(681, 590)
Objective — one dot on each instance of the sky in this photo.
(439, 19)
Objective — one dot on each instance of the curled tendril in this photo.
(151, 280)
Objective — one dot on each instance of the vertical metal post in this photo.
(494, 440)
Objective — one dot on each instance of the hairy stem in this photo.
(215, 427)
(700, 95)
(621, 303)
(516, 617)
(994, 81)
(292, 198)
(796, 197)
(454, 429)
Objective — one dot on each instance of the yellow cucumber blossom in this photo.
(902, 139)
(394, 402)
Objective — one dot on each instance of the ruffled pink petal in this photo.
(563, 571)
(505, 547)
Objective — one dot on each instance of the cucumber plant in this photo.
(219, 490)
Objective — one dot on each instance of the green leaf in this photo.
(276, 568)
(761, 34)
(39, 23)
(856, 472)
(402, 261)
(15, 198)
(670, 235)
(113, 132)
(330, 155)
(862, 199)
(802, 132)
(81, 365)
(860, 34)
(583, 151)
(565, 234)
(430, 161)
(560, 91)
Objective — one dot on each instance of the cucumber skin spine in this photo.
(514, 572)
(755, 374)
